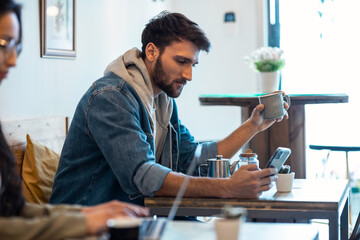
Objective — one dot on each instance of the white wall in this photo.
(43, 87)
(222, 70)
(105, 29)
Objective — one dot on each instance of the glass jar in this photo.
(248, 158)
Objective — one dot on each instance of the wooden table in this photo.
(179, 230)
(309, 199)
(288, 133)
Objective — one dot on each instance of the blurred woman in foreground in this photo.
(21, 220)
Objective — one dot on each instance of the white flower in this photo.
(266, 59)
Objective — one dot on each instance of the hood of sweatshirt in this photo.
(132, 69)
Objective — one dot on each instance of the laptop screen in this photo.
(154, 229)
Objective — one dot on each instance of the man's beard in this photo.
(160, 77)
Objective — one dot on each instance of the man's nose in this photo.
(187, 73)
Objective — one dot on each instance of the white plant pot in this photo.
(284, 183)
(268, 81)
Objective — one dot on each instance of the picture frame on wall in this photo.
(57, 21)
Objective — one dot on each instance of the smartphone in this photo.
(278, 158)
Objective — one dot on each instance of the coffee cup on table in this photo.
(124, 228)
(274, 105)
(228, 226)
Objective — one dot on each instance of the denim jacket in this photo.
(109, 150)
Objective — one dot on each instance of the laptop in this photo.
(152, 229)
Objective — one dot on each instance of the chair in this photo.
(345, 149)
(36, 157)
(355, 235)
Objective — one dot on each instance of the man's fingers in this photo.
(267, 172)
(251, 167)
(286, 105)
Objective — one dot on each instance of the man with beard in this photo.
(126, 140)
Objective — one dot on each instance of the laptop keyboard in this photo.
(152, 229)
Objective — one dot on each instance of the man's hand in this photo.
(97, 216)
(249, 181)
(258, 121)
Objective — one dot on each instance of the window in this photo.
(321, 44)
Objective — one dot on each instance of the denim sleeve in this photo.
(115, 121)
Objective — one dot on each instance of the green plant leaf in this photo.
(270, 65)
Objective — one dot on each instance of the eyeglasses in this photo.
(9, 45)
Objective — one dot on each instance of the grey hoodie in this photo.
(132, 69)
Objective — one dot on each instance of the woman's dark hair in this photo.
(11, 199)
(168, 27)
(7, 6)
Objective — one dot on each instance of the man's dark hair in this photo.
(168, 27)
(7, 6)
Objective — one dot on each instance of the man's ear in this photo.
(151, 52)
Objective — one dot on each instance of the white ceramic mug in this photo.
(274, 105)
(124, 228)
(285, 181)
(228, 228)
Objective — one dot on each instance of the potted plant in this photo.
(267, 61)
(285, 169)
(285, 179)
